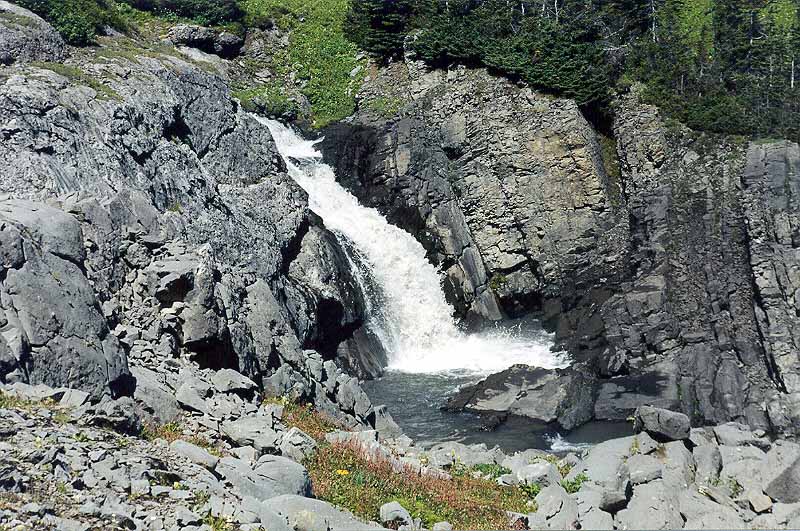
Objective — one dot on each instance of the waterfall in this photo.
(407, 307)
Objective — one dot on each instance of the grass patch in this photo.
(170, 432)
(304, 417)
(344, 475)
(319, 53)
(385, 106)
(498, 281)
(78, 76)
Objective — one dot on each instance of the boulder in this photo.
(562, 396)
(542, 473)
(644, 468)
(297, 445)
(25, 37)
(273, 476)
(780, 472)
(556, 510)
(255, 431)
(307, 514)
(52, 330)
(394, 515)
(661, 423)
(194, 453)
(654, 505)
(224, 44)
(230, 381)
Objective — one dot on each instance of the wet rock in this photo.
(563, 396)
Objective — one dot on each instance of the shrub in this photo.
(379, 26)
(78, 21)
(204, 12)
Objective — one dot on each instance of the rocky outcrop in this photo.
(51, 328)
(24, 37)
(187, 239)
(209, 40)
(669, 276)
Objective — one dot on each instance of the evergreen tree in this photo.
(380, 26)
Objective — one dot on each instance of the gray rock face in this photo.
(683, 257)
(661, 423)
(25, 37)
(52, 330)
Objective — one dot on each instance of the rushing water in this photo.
(407, 308)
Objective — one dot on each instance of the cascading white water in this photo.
(410, 315)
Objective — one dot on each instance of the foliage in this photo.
(574, 485)
(270, 99)
(204, 12)
(170, 432)
(345, 476)
(491, 470)
(726, 66)
(78, 21)
(319, 54)
(380, 26)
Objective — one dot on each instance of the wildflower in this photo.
(342, 472)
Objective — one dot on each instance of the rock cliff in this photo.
(665, 266)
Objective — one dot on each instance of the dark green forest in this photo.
(727, 66)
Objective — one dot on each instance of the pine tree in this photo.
(380, 26)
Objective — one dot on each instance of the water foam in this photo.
(408, 310)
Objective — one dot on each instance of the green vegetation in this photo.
(319, 54)
(385, 106)
(491, 470)
(78, 21)
(574, 485)
(345, 476)
(170, 432)
(204, 12)
(267, 99)
(498, 281)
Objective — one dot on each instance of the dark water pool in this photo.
(414, 400)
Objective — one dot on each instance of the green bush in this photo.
(380, 26)
(78, 21)
(204, 12)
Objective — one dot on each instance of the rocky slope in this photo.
(149, 230)
(667, 269)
